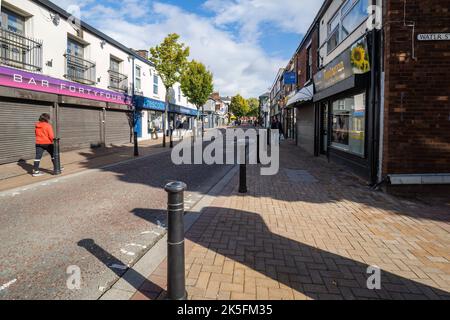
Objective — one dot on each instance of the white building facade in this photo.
(50, 62)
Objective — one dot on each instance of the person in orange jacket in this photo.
(44, 142)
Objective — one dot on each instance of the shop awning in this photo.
(303, 95)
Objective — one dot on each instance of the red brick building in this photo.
(416, 120)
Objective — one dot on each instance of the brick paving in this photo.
(311, 232)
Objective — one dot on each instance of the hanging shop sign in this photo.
(433, 37)
(354, 60)
(36, 82)
(290, 78)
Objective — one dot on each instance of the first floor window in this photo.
(349, 124)
(155, 84)
(138, 85)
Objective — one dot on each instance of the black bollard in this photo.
(257, 147)
(176, 282)
(136, 145)
(56, 157)
(243, 174)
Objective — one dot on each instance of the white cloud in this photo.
(239, 64)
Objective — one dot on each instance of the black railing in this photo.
(19, 51)
(118, 81)
(79, 70)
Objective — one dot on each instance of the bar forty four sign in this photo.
(433, 37)
(26, 80)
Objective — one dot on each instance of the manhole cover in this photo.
(300, 176)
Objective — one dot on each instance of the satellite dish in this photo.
(56, 19)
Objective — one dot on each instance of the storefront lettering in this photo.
(25, 80)
(334, 71)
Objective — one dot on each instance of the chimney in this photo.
(142, 53)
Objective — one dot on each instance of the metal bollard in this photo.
(56, 157)
(176, 282)
(243, 174)
(257, 147)
(136, 145)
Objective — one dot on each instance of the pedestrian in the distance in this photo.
(44, 142)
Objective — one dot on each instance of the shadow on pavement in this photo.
(245, 238)
(135, 279)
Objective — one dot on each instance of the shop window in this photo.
(349, 119)
(155, 121)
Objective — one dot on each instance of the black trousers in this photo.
(40, 149)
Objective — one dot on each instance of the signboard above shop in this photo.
(36, 82)
(354, 60)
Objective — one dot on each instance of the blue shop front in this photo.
(151, 111)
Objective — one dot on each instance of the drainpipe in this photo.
(374, 105)
(135, 115)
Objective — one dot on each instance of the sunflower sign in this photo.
(353, 60)
(359, 58)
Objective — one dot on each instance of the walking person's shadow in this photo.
(244, 237)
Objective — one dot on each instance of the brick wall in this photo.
(417, 102)
(302, 58)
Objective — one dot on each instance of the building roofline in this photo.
(50, 5)
(319, 14)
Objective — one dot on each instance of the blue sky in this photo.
(243, 42)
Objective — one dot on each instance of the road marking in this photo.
(146, 232)
(128, 253)
(8, 284)
(118, 266)
(136, 245)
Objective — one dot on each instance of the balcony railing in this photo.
(80, 70)
(118, 81)
(19, 51)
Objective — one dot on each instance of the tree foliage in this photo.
(239, 106)
(197, 83)
(170, 59)
(253, 104)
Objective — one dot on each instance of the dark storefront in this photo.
(82, 116)
(343, 113)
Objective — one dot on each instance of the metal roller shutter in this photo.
(80, 128)
(17, 123)
(118, 129)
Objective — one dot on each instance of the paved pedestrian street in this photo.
(313, 232)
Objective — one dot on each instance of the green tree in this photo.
(239, 106)
(253, 104)
(170, 60)
(197, 86)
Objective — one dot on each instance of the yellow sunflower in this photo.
(358, 59)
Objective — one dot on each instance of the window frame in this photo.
(4, 20)
(341, 15)
(155, 84)
(138, 77)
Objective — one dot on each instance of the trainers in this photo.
(37, 174)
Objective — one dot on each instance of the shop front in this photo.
(343, 130)
(304, 114)
(150, 122)
(82, 116)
